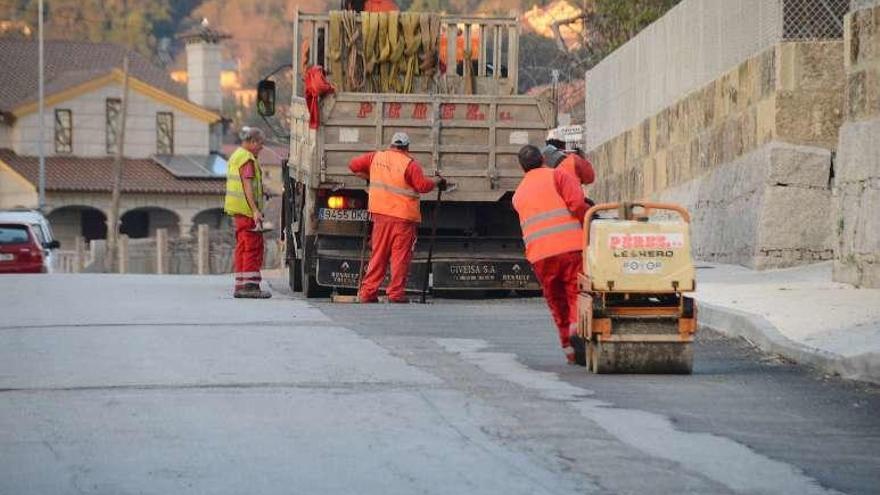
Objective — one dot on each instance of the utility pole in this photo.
(40, 151)
(113, 231)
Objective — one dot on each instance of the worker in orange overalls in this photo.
(396, 180)
(556, 155)
(551, 212)
(244, 202)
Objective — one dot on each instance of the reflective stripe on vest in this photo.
(547, 231)
(389, 193)
(235, 202)
(548, 226)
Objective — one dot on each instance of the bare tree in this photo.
(110, 260)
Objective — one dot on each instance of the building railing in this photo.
(209, 252)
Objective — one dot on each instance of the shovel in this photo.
(450, 187)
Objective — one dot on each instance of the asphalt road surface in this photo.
(143, 384)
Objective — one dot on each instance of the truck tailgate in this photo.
(472, 140)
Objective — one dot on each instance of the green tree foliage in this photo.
(265, 62)
(426, 6)
(540, 56)
(613, 22)
(128, 22)
(609, 24)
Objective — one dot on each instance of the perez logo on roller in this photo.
(646, 241)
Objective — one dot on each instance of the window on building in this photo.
(114, 116)
(63, 131)
(164, 133)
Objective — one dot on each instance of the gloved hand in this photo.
(442, 183)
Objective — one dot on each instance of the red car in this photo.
(20, 252)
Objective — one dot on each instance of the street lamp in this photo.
(42, 179)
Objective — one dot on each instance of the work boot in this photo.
(403, 300)
(251, 291)
(580, 350)
(569, 355)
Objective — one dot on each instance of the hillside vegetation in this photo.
(261, 32)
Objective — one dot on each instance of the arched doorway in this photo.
(214, 218)
(140, 223)
(70, 222)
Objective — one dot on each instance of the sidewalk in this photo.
(798, 313)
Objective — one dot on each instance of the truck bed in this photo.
(471, 140)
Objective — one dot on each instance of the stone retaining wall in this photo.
(752, 144)
(857, 173)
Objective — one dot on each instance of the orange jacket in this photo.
(459, 47)
(380, 6)
(549, 228)
(389, 193)
(579, 168)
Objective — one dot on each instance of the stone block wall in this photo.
(767, 208)
(857, 172)
(752, 144)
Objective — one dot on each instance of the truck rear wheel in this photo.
(295, 274)
(310, 287)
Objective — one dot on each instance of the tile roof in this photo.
(68, 64)
(78, 174)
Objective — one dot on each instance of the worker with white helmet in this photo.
(555, 155)
(396, 180)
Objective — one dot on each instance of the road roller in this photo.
(633, 314)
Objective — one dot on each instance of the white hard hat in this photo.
(400, 139)
(554, 135)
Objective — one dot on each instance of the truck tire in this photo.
(295, 274)
(310, 287)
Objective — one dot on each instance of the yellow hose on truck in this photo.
(633, 316)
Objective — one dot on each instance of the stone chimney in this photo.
(203, 66)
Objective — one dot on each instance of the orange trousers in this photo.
(393, 240)
(558, 276)
(248, 252)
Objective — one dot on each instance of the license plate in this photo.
(6, 257)
(346, 215)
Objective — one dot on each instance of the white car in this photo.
(40, 226)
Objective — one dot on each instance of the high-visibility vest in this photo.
(548, 227)
(389, 192)
(236, 203)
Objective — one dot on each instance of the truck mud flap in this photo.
(484, 275)
(447, 274)
(334, 272)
